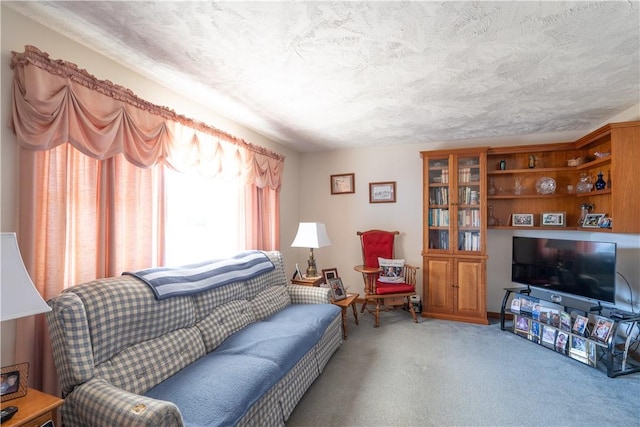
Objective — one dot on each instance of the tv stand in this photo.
(597, 308)
(560, 331)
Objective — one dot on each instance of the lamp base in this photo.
(311, 265)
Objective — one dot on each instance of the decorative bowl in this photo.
(546, 185)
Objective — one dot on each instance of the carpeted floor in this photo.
(440, 373)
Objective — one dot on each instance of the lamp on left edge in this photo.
(17, 292)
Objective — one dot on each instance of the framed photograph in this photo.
(382, 192)
(343, 184)
(522, 324)
(592, 220)
(579, 348)
(522, 220)
(580, 324)
(548, 335)
(605, 222)
(337, 289)
(329, 273)
(553, 219)
(602, 329)
(561, 341)
(297, 273)
(14, 381)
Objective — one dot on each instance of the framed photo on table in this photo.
(337, 289)
(343, 184)
(382, 192)
(14, 381)
(329, 273)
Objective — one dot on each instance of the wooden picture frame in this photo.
(592, 220)
(522, 220)
(14, 381)
(344, 183)
(337, 289)
(329, 273)
(382, 192)
(553, 219)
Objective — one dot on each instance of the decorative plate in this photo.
(546, 185)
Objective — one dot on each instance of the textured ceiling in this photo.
(326, 75)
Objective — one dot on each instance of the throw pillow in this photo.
(392, 270)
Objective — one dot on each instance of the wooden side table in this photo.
(34, 409)
(344, 304)
(308, 281)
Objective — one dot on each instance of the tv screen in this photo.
(582, 268)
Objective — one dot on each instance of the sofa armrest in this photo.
(301, 294)
(99, 403)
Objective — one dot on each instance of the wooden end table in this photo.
(308, 281)
(34, 409)
(344, 304)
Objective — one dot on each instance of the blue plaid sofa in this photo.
(241, 354)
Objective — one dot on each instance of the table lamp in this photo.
(311, 235)
(19, 296)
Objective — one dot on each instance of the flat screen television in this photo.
(583, 268)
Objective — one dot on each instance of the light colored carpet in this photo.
(440, 373)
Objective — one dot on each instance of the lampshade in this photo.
(311, 235)
(17, 292)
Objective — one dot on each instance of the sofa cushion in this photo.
(270, 301)
(224, 321)
(122, 311)
(284, 337)
(218, 389)
(207, 301)
(274, 277)
(140, 367)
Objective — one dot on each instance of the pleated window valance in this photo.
(55, 102)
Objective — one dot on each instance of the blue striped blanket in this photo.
(190, 279)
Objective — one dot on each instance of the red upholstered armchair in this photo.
(393, 279)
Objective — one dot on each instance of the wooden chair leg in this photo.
(413, 312)
(378, 300)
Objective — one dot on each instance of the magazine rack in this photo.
(590, 337)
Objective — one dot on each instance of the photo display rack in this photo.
(589, 337)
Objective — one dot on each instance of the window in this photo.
(204, 217)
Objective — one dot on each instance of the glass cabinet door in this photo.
(438, 204)
(468, 204)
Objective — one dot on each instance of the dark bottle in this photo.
(600, 183)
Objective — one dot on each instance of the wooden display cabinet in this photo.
(454, 234)
(621, 142)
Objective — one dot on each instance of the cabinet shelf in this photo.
(620, 140)
(531, 171)
(530, 196)
(595, 193)
(595, 163)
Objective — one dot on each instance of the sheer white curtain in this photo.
(204, 217)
